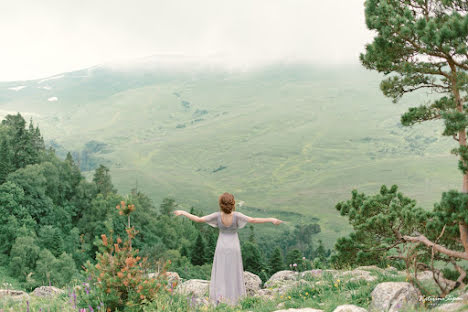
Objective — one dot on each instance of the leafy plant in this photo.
(119, 278)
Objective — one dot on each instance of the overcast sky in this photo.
(42, 38)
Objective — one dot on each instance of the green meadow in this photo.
(286, 140)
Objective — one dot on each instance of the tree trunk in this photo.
(463, 227)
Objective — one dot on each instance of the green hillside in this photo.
(283, 139)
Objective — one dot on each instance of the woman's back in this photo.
(227, 274)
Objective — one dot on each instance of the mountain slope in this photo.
(291, 138)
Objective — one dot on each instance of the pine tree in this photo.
(210, 246)
(184, 252)
(423, 45)
(198, 255)
(167, 206)
(294, 256)
(6, 165)
(103, 182)
(320, 252)
(252, 235)
(252, 258)
(276, 261)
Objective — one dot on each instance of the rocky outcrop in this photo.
(253, 283)
(312, 273)
(13, 294)
(47, 291)
(280, 277)
(173, 278)
(349, 308)
(394, 296)
(372, 268)
(459, 303)
(358, 274)
(198, 288)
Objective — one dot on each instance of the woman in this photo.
(227, 274)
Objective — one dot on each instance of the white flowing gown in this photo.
(227, 275)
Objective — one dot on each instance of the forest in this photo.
(53, 220)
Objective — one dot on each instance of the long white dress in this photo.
(227, 275)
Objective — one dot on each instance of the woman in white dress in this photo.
(227, 274)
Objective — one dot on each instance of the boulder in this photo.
(266, 293)
(13, 294)
(349, 308)
(281, 276)
(452, 307)
(394, 296)
(311, 273)
(370, 268)
(199, 288)
(284, 287)
(47, 291)
(252, 283)
(358, 274)
(458, 303)
(299, 310)
(173, 278)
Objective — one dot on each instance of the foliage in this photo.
(420, 45)
(198, 253)
(276, 261)
(120, 278)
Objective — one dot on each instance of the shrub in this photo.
(119, 279)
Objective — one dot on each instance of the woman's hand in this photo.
(276, 221)
(178, 212)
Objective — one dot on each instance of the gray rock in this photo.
(391, 269)
(252, 283)
(47, 291)
(266, 293)
(349, 308)
(394, 296)
(13, 294)
(173, 278)
(459, 303)
(282, 276)
(311, 273)
(199, 288)
(359, 275)
(370, 268)
(452, 307)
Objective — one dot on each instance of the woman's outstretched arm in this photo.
(189, 215)
(264, 220)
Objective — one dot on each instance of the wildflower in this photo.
(303, 258)
(91, 308)
(336, 285)
(338, 280)
(289, 297)
(104, 239)
(307, 293)
(295, 265)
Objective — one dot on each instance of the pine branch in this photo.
(424, 240)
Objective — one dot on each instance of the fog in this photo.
(42, 38)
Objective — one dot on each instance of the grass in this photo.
(326, 295)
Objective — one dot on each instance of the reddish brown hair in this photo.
(227, 203)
